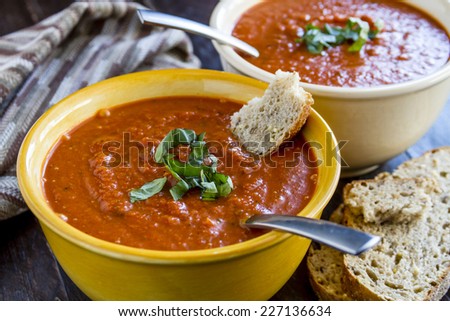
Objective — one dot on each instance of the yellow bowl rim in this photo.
(50, 219)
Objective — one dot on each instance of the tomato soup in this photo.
(92, 169)
(411, 44)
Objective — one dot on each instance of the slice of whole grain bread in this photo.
(264, 123)
(434, 164)
(412, 262)
(389, 199)
(410, 209)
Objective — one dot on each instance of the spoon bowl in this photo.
(339, 237)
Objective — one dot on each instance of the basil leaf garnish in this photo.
(199, 152)
(147, 190)
(356, 31)
(361, 33)
(174, 138)
(179, 168)
(200, 171)
(201, 136)
(179, 190)
(224, 184)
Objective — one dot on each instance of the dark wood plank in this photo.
(28, 270)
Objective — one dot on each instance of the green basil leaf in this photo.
(214, 161)
(210, 191)
(190, 170)
(169, 162)
(200, 171)
(334, 31)
(180, 169)
(357, 45)
(174, 138)
(356, 31)
(163, 147)
(184, 136)
(205, 196)
(325, 39)
(223, 183)
(310, 26)
(203, 177)
(362, 28)
(348, 34)
(379, 25)
(207, 175)
(201, 136)
(209, 187)
(179, 190)
(222, 179)
(224, 190)
(194, 182)
(147, 190)
(198, 153)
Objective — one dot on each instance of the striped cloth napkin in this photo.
(81, 45)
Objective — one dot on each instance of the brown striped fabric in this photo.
(81, 45)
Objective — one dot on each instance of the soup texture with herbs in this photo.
(167, 174)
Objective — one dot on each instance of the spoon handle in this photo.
(150, 17)
(337, 236)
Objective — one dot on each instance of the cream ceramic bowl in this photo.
(252, 270)
(377, 123)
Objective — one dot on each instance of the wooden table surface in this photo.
(28, 270)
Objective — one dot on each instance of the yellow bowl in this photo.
(252, 270)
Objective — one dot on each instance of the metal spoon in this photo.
(150, 17)
(337, 236)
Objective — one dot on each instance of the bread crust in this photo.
(438, 292)
(301, 120)
(324, 291)
(350, 284)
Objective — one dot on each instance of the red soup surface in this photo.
(410, 46)
(91, 170)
